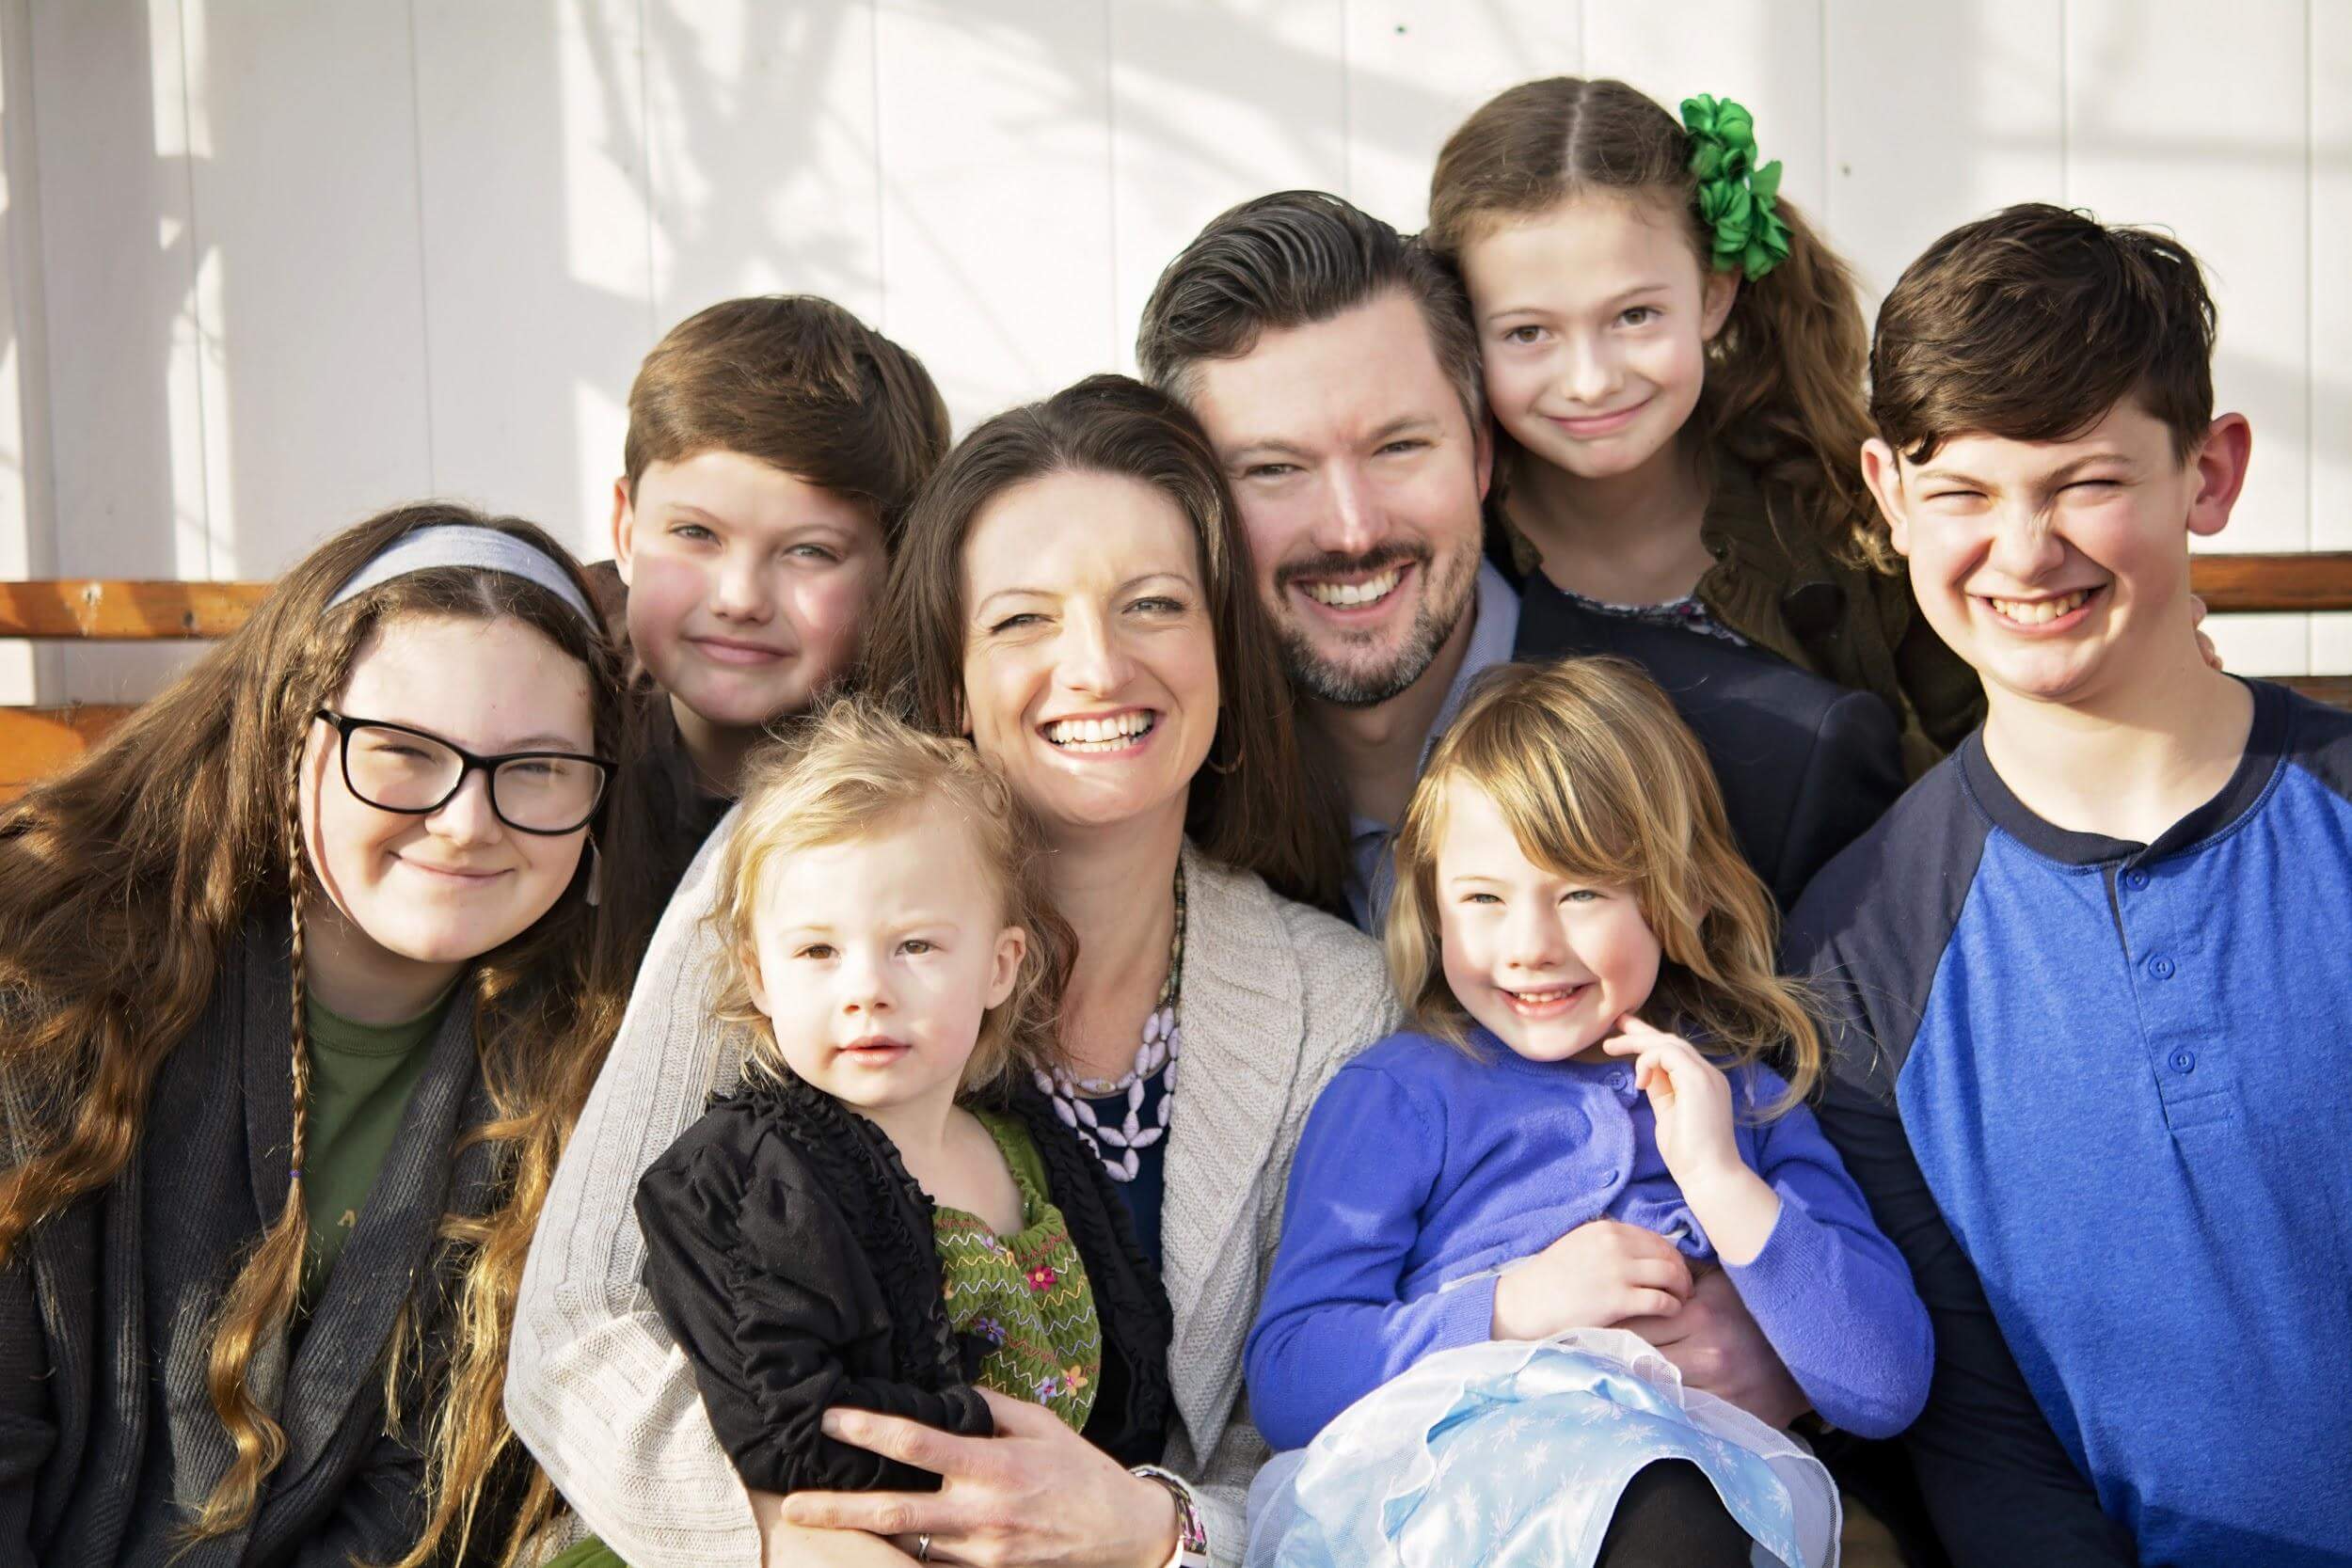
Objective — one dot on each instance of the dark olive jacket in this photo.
(107, 1435)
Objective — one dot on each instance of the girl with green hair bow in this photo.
(1674, 362)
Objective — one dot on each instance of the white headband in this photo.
(466, 544)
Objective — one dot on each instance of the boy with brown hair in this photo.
(774, 445)
(2087, 1071)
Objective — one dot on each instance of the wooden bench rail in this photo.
(93, 609)
(2251, 584)
(40, 740)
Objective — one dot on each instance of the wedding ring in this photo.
(923, 1547)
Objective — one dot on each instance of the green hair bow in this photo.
(1737, 197)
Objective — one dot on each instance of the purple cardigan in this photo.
(1421, 1173)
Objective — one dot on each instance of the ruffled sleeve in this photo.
(760, 1278)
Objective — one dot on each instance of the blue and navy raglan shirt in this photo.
(2100, 1095)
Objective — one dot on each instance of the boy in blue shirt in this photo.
(2088, 979)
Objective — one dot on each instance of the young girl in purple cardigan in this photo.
(1579, 1123)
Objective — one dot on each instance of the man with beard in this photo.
(1335, 367)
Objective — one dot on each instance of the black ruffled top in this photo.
(794, 1259)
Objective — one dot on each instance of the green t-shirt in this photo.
(362, 1076)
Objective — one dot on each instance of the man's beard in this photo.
(1346, 686)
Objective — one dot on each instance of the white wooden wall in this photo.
(268, 265)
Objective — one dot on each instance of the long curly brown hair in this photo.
(123, 884)
(1784, 376)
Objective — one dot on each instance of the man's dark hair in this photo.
(1290, 260)
(2032, 324)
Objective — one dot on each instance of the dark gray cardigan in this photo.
(107, 1435)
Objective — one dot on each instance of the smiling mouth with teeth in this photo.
(1352, 596)
(1114, 734)
(2039, 612)
(1530, 1000)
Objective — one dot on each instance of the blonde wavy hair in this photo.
(1601, 781)
(853, 772)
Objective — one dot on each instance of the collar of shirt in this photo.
(1494, 629)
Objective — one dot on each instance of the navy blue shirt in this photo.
(2099, 1094)
(1145, 1192)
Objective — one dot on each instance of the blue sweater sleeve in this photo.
(1331, 1327)
(1829, 1291)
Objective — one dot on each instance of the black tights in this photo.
(1671, 1517)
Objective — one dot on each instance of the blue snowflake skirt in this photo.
(1515, 1454)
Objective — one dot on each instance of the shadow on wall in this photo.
(301, 264)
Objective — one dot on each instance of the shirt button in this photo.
(2184, 1061)
(2161, 967)
(2135, 879)
(1609, 1179)
(1619, 1079)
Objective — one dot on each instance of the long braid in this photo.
(263, 1296)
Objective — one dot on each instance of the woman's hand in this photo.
(1035, 1494)
(1596, 1276)
(1691, 1099)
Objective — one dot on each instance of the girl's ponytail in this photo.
(1783, 390)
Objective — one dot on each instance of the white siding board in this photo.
(1937, 115)
(532, 231)
(110, 115)
(1212, 105)
(1765, 53)
(2329, 378)
(1417, 69)
(766, 177)
(996, 204)
(310, 287)
(295, 264)
(24, 538)
(2165, 127)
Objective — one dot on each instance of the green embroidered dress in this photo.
(1026, 1294)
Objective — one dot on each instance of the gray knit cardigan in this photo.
(107, 1435)
(1276, 996)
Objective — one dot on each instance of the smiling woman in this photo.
(1073, 594)
(340, 912)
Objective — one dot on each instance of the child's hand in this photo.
(1690, 1097)
(1594, 1276)
(1692, 1100)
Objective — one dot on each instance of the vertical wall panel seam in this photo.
(204, 333)
(1346, 100)
(28, 258)
(29, 262)
(2311, 311)
(645, 176)
(2066, 104)
(424, 284)
(1110, 162)
(1829, 182)
(881, 192)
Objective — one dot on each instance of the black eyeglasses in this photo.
(396, 767)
